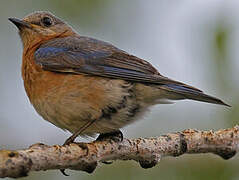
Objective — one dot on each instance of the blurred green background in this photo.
(191, 41)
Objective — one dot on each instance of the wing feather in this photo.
(90, 56)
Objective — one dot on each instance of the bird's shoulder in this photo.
(83, 48)
(77, 43)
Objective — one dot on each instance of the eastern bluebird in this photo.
(88, 86)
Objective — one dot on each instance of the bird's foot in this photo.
(107, 162)
(82, 146)
(69, 140)
(63, 171)
(116, 136)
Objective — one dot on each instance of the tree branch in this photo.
(146, 151)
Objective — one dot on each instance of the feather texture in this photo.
(84, 55)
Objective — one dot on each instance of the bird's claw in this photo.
(116, 136)
(107, 162)
(63, 172)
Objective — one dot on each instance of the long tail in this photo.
(184, 91)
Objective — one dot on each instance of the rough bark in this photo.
(146, 151)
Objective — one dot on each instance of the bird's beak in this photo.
(20, 23)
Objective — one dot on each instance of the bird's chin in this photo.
(26, 37)
(23, 34)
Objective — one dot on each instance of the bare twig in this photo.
(146, 151)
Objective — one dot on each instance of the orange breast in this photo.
(40, 84)
(69, 100)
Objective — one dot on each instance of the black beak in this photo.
(19, 23)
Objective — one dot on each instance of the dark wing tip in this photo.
(224, 104)
(189, 92)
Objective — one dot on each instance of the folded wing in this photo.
(83, 55)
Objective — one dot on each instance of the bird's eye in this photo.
(46, 21)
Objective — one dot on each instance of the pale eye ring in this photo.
(46, 21)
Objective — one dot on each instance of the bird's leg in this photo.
(77, 133)
(82, 145)
(114, 135)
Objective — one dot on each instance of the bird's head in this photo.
(40, 26)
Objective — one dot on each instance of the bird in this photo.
(88, 86)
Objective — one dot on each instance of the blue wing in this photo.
(94, 57)
(83, 55)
